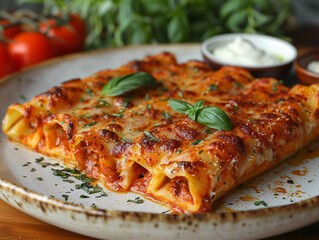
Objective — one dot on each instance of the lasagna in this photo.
(137, 142)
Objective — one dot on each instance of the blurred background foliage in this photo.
(120, 22)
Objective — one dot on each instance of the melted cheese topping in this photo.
(104, 137)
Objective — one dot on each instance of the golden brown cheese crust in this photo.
(190, 165)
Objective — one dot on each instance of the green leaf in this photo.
(237, 19)
(199, 105)
(233, 6)
(179, 105)
(120, 85)
(177, 29)
(214, 117)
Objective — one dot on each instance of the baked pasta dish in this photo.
(179, 134)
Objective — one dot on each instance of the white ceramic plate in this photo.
(290, 190)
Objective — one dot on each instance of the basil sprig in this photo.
(120, 85)
(212, 117)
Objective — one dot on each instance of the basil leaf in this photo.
(179, 105)
(214, 117)
(199, 105)
(120, 85)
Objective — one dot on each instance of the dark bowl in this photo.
(301, 63)
(270, 44)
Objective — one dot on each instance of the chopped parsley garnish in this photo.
(102, 103)
(62, 122)
(257, 203)
(198, 141)
(32, 170)
(81, 100)
(164, 89)
(180, 94)
(166, 115)
(89, 91)
(201, 151)
(166, 211)
(179, 151)
(85, 116)
(40, 161)
(238, 85)
(274, 88)
(69, 181)
(88, 188)
(252, 120)
(66, 197)
(115, 114)
(290, 181)
(208, 131)
(126, 140)
(147, 97)
(40, 178)
(151, 136)
(236, 108)
(89, 124)
(127, 100)
(137, 200)
(84, 196)
(148, 106)
(213, 87)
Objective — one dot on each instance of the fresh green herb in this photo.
(166, 115)
(164, 89)
(148, 106)
(66, 197)
(127, 100)
(102, 103)
(181, 94)
(62, 122)
(198, 141)
(274, 88)
(310, 181)
(201, 151)
(68, 181)
(126, 140)
(213, 87)
(179, 151)
(151, 136)
(208, 131)
(40, 178)
(237, 84)
(40, 161)
(89, 91)
(137, 200)
(81, 99)
(276, 194)
(147, 97)
(22, 97)
(212, 117)
(163, 99)
(172, 73)
(236, 108)
(119, 85)
(166, 211)
(88, 188)
(85, 116)
(290, 181)
(188, 21)
(89, 124)
(84, 196)
(257, 203)
(93, 205)
(252, 120)
(33, 169)
(119, 115)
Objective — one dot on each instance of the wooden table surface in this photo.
(17, 225)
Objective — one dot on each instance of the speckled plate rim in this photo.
(43, 201)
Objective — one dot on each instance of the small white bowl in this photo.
(276, 46)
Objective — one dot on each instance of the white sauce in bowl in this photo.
(313, 66)
(241, 51)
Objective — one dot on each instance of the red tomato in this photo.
(11, 31)
(6, 65)
(28, 48)
(67, 38)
